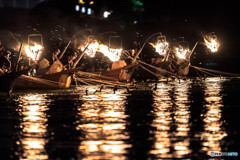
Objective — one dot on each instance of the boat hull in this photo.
(120, 74)
(44, 82)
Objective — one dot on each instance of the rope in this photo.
(159, 69)
(149, 71)
(207, 72)
(216, 71)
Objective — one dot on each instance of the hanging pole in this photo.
(140, 50)
(83, 52)
(192, 50)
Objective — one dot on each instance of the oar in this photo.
(15, 69)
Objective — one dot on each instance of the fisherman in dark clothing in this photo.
(5, 63)
(74, 47)
(55, 55)
(70, 60)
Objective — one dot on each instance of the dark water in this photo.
(184, 120)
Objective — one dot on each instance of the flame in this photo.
(112, 54)
(212, 44)
(34, 52)
(181, 52)
(161, 47)
(91, 49)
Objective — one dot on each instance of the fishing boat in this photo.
(119, 71)
(44, 81)
(7, 80)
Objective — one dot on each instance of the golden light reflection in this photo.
(32, 107)
(178, 139)
(182, 115)
(213, 133)
(103, 122)
(162, 106)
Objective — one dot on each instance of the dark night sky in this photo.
(194, 17)
(177, 18)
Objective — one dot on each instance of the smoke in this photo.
(10, 40)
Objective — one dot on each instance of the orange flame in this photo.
(212, 44)
(161, 47)
(91, 49)
(112, 54)
(34, 52)
(181, 52)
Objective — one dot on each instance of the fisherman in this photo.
(55, 55)
(135, 48)
(23, 62)
(5, 63)
(70, 61)
(74, 47)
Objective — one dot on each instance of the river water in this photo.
(184, 119)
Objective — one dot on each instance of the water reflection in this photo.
(162, 108)
(32, 108)
(103, 124)
(62, 137)
(181, 117)
(213, 133)
(172, 120)
(178, 120)
(140, 117)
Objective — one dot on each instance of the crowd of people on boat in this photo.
(168, 62)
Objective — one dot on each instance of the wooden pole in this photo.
(13, 82)
(80, 57)
(166, 57)
(61, 55)
(83, 52)
(192, 50)
(19, 55)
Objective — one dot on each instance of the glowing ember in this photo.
(91, 49)
(161, 47)
(212, 44)
(181, 52)
(112, 54)
(33, 52)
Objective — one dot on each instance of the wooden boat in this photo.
(8, 80)
(45, 81)
(122, 74)
(119, 74)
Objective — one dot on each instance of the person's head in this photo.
(7, 54)
(75, 42)
(56, 51)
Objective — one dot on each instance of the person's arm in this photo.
(7, 63)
